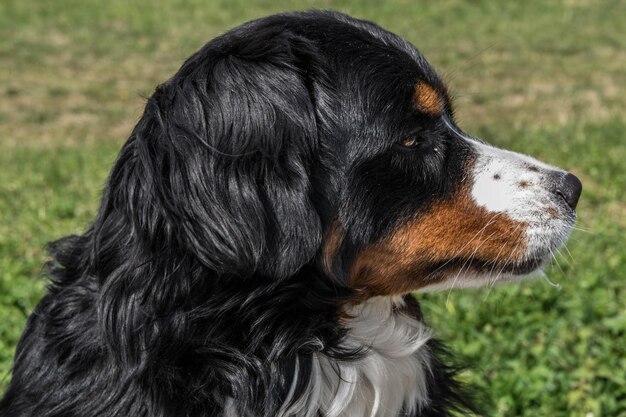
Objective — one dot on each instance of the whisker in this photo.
(569, 253)
(580, 229)
(492, 282)
(468, 263)
(491, 220)
(563, 258)
(555, 284)
(546, 278)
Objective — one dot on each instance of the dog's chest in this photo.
(389, 378)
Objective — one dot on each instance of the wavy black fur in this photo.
(200, 278)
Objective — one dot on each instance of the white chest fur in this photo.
(390, 376)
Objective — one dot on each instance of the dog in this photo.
(263, 229)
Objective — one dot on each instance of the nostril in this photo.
(569, 188)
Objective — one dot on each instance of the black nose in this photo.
(569, 188)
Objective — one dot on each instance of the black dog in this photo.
(262, 227)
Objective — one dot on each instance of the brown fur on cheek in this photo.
(330, 246)
(450, 229)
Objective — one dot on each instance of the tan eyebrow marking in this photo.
(427, 99)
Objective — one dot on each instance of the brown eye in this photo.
(409, 143)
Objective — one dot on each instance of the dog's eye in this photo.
(409, 143)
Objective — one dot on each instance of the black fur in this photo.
(201, 278)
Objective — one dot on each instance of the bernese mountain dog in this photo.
(262, 230)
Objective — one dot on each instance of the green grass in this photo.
(545, 78)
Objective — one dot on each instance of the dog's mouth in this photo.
(464, 273)
(519, 268)
(481, 266)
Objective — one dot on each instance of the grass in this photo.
(545, 78)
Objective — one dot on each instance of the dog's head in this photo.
(317, 139)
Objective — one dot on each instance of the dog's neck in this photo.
(390, 377)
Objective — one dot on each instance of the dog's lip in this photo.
(524, 267)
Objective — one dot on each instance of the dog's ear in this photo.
(219, 165)
(214, 183)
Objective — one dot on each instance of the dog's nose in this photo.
(569, 188)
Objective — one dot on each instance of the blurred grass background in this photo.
(546, 78)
